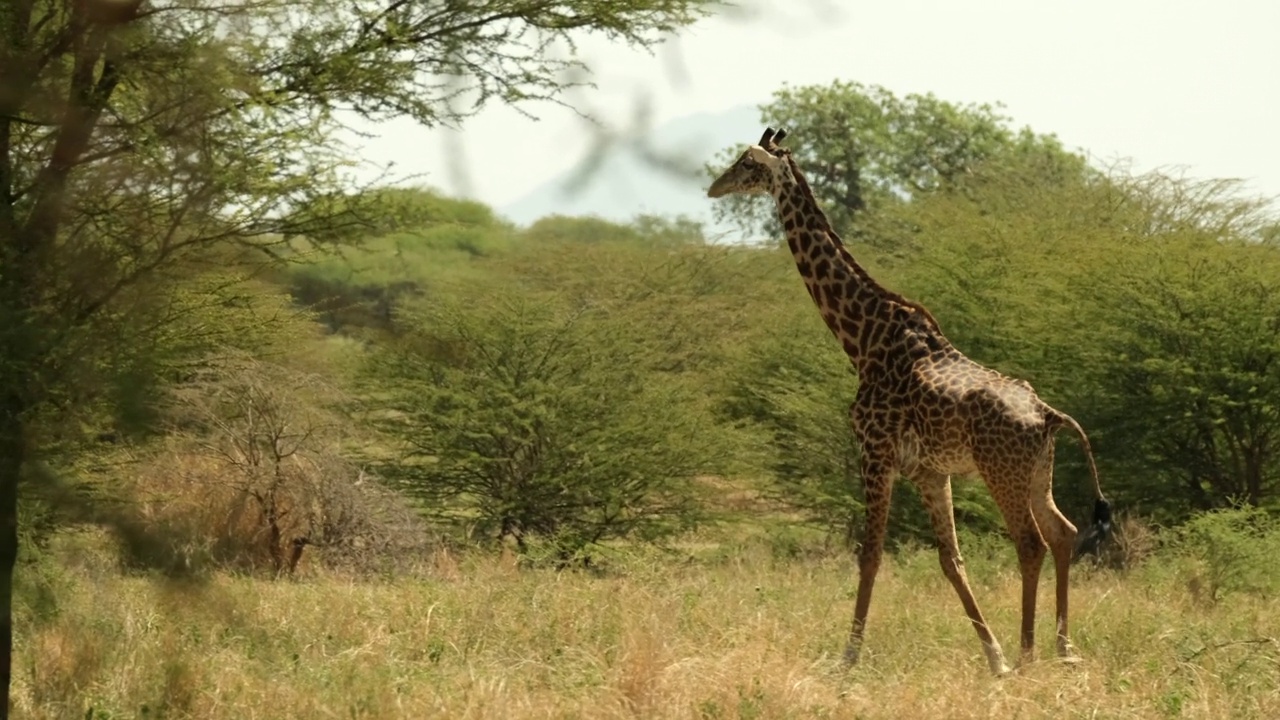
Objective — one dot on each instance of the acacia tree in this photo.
(1195, 388)
(528, 420)
(139, 138)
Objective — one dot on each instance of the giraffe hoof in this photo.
(1000, 668)
(1067, 654)
(850, 657)
(995, 660)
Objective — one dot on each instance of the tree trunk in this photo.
(274, 537)
(16, 350)
(295, 553)
(11, 458)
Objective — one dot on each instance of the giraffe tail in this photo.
(1101, 506)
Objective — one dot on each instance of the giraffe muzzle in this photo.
(719, 188)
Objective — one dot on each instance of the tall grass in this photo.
(753, 633)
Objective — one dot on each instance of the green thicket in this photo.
(576, 381)
(579, 374)
(580, 381)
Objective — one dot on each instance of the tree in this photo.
(1195, 389)
(394, 210)
(684, 299)
(865, 150)
(533, 422)
(137, 140)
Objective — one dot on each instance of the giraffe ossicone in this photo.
(925, 411)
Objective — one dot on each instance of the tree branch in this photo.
(86, 101)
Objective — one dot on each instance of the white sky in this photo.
(1162, 82)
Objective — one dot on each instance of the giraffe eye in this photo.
(749, 162)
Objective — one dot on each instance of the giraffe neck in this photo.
(857, 309)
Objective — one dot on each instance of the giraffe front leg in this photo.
(877, 480)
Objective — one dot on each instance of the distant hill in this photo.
(626, 185)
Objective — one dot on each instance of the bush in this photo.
(248, 480)
(795, 387)
(524, 420)
(1233, 551)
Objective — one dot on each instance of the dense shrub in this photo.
(528, 421)
(1232, 551)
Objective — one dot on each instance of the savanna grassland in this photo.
(751, 629)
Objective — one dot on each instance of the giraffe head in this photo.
(758, 170)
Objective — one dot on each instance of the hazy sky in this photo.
(1164, 83)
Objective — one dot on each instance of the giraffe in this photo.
(925, 411)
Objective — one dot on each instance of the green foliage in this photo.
(427, 235)
(1195, 386)
(1234, 550)
(795, 386)
(580, 230)
(118, 394)
(429, 239)
(534, 421)
(384, 63)
(688, 302)
(221, 139)
(661, 230)
(140, 146)
(381, 211)
(651, 230)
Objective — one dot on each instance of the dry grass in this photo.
(745, 637)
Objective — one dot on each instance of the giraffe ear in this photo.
(767, 138)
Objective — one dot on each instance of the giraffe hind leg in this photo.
(1060, 535)
(1009, 486)
(935, 490)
